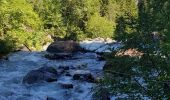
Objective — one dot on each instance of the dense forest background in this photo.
(143, 25)
(29, 22)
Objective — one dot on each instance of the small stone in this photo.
(59, 56)
(66, 85)
(100, 58)
(68, 74)
(50, 98)
(64, 67)
(83, 76)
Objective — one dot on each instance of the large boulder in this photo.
(63, 47)
(48, 74)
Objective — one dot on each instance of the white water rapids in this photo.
(20, 63)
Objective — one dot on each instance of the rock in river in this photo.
(83, 76)
(48, 74)
(63, 47)
(66, 85)
(58, 56)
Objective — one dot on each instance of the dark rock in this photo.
(33, 76)
(50, 98)
(64, 67)
(108, 65)
(63, 47)
(83, 76)
(101, 57)
(61, 71)
(67, 74)
(57, 56)
(48, 74)
(3, 56)
(66, 85)
(78, 89)
(48, 69)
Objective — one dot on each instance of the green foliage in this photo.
(72, 18)
(126, 19)
(75, 14)
(138, 77)
(99, 27)
(50, 13)
(147, 75)
(19, 24)
(34, 40)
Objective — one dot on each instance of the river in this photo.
(20, 63)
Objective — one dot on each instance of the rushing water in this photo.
(20, 63)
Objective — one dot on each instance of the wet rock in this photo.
(67, 74)
(62, 69)
(3, 56)
(48, 74)
(50, 98)
(48, 69)
(58, 56)
(63, 47)
(82, 66)
(78, 89)
(108, 65)
(83, 76)
(66, 85)
(101, 57)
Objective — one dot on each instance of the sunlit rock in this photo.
(63, 47)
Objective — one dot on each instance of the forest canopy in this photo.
(28, 22)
